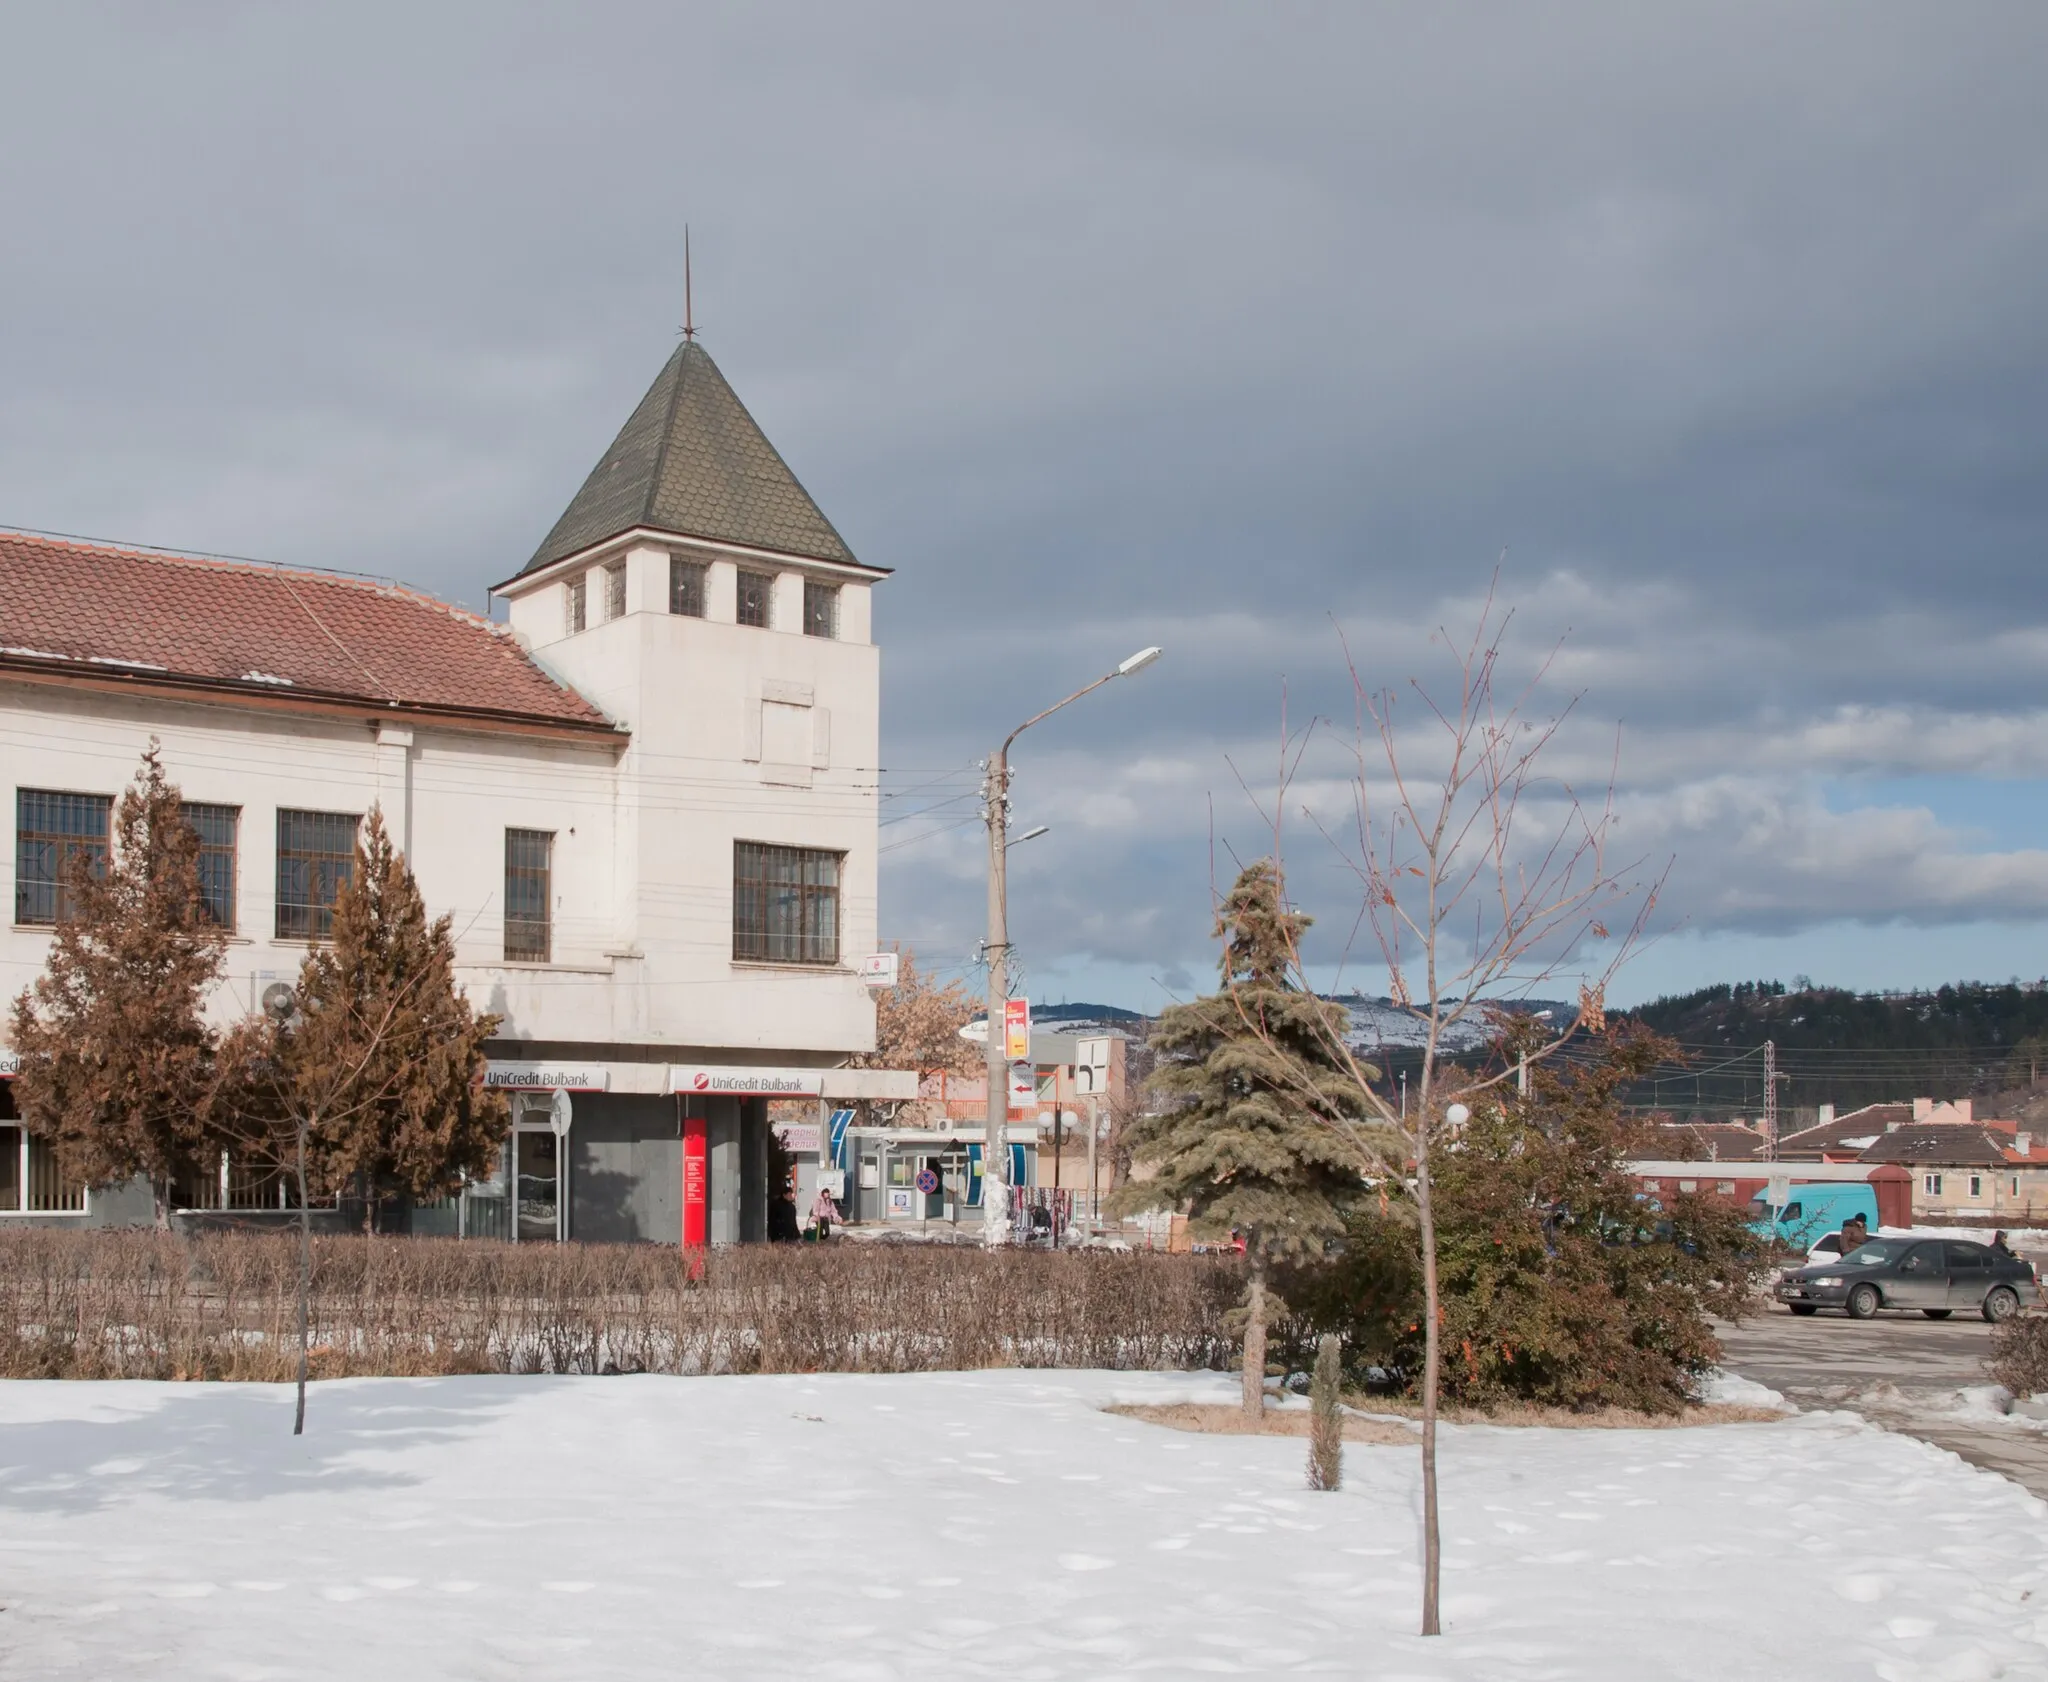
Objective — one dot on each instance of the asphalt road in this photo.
(1898, 1371)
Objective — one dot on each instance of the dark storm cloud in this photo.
(1110, 326)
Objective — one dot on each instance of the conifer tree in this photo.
(373, 1076)
(383, 1025)
(116, 1057)
(1244, 1143)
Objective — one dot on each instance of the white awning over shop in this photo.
(703, 1079)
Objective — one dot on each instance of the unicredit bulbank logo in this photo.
(703, 1081)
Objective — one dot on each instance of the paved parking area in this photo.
(1897, 1371)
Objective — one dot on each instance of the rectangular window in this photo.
(757, 597)
(785, 904)
(1933, 1184)
(1725, 1187)
(316, 859)
(216, 827)
(686, 587)
(1976, 1185)
(50, 831)
(576, 613)
(1688, 1185)
(821, 610)
(615, 590)
(528, 894)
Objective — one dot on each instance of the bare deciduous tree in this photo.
(1479, 876)
(917, 1026)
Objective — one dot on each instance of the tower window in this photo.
(821, 610)
(615, 590)
(576, 615)
(686, 587)
(756, 599)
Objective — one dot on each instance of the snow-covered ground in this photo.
(966, 1525)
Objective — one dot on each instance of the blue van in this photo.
(1813, 1210)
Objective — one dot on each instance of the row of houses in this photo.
(647, 798)
(1961, 1167)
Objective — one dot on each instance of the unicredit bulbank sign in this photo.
(540, 1077)
(747, 1083)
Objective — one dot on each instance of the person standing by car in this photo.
(1999, 1245)
(1855, 1232)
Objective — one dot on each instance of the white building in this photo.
(648, 803)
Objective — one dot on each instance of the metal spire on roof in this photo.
(689, 324)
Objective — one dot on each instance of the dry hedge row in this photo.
(224, 1306)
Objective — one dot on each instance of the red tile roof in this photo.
(180, 620)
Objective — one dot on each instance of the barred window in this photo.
(686, 587)
(785, 904)
(50, 830)
(615, 590)
(316, 859)
(576, 611)
(528, 894)
(821, 610)
(756, 599)
(216, 827)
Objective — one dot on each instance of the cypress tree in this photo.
(1251, 1138)
(388, 1043)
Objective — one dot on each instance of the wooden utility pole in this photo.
(995, 1157)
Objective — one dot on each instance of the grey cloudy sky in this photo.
(1209, 326)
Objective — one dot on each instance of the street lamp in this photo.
(1031, 834)
(995, 1158)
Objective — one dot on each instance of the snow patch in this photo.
(967, 1524)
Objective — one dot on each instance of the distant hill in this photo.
(1850, 1048)
(1049, 1014)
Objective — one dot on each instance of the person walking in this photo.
(824, 1211)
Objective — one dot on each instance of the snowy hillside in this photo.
(1380, 1023)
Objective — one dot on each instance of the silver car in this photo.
(1935, 1275)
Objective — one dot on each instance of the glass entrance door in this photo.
(537, 1178)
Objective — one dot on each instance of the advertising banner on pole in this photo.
(696, 1199)
(1016, 1029)
(1023, 1088)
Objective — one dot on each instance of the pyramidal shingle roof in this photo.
(692, 461)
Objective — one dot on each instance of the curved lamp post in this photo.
(995, 1157)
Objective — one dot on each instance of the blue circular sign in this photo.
(927, 1181)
